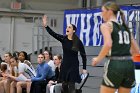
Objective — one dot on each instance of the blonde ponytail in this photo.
(123, 20)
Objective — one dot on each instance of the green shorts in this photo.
(119, 74)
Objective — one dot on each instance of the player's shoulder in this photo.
(107, 26)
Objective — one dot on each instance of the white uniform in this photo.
(26, 70)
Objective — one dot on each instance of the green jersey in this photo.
(119, 72)
(121, 38)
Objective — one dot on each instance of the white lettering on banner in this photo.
(131, 16)
(85, 28)
(88, 24)
(96, 30)
(72, 19)
(125, 14)
(133, 19)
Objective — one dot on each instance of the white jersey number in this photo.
(123, 37)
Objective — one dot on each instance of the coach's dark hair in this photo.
(75, 38)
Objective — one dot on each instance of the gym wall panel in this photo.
(5, 35)
(23, 35)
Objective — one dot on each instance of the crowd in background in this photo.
(18, 75)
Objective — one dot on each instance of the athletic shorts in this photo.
(119, 73)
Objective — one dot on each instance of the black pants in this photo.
(68, 87)
(38, 86)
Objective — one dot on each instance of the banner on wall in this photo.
(88, 23)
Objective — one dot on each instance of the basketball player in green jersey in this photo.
(118, 47)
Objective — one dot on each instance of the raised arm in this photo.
(50, 31)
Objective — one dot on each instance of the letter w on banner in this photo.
(88, 23)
